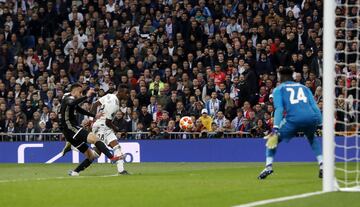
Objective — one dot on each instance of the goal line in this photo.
(276, 200)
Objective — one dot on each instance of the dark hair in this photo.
(75, 85)
(286, 74)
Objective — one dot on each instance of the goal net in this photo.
(341, 95)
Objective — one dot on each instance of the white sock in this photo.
(269, 161)
(119, 163)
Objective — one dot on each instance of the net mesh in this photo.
(347, 92)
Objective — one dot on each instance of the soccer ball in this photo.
(186, 123)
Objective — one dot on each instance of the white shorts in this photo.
(104, 133)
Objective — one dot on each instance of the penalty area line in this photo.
(276, 200)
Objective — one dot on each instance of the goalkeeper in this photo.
(295, 111)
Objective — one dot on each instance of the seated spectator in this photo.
(260, 130)
(220, 119)
(206, 120)
(227, 126)
(216, 131)
(164, 120)
(245, 128)
(120, 122)
(213, 105)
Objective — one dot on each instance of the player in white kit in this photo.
(104, 127)
(105, 130)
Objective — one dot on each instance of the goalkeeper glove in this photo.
(272, 139)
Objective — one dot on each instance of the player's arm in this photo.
(73, 102)
(313, 105)
(84, 112)
(95, 106)
(272, 138)
(111, 125)
(279, 108)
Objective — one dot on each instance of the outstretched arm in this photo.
(84, 112)
(95, 106)
(74, 102)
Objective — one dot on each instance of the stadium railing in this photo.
(24, 137)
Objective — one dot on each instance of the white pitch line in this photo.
(57, 178)
(275, 200)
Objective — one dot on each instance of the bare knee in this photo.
(90, 154)
(92, 139)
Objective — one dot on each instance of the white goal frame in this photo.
(329, 96)
(329, 178)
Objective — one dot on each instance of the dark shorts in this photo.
(77, 138)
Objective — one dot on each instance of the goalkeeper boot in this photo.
(321, 171)
(73, 173)
(266, 172)
(66, 149)
(124, 173)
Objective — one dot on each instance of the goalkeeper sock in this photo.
(269, 161)
(102, 148)
(86, 163)
(319, 159)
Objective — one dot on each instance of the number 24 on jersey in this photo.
(299, 97)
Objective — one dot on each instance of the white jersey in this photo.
(109, 106)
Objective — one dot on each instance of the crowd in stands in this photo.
(213, 60)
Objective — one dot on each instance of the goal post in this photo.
(341, 95)
(328, 96)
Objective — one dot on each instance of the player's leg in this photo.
(270, 154)
(315, 146)
(66, 149)
(93, 139)
(90, 155)
(114, 144)
(79, 143)
(286, 132)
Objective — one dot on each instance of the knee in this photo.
(92, 139)
(91, 155)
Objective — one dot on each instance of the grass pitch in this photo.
(163, 184)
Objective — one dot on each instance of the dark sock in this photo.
(102, 147)
(86, 163)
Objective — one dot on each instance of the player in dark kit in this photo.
(76, 135)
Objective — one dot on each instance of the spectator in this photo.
(213, 104)
(220, 119)
(145, 118)
(260, 130)
(206, 120)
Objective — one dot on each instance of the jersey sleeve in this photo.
(72, 101)
(84, 112)
(102, 100)
(313, 105)
(279, 107)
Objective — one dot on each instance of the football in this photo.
(186, 123)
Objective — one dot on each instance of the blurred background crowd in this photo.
(214, 59)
